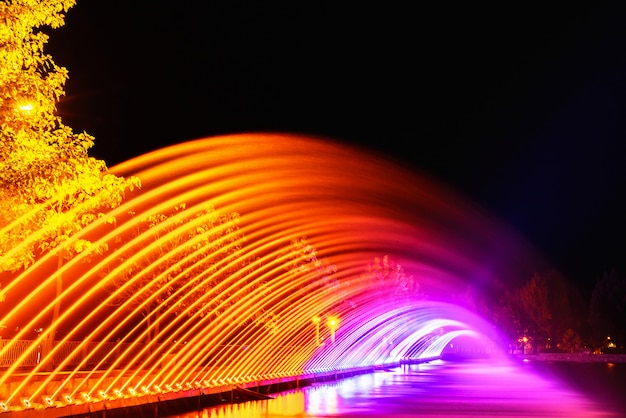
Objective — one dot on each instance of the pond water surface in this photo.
(454, 389)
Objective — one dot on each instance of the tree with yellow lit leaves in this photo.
(192, 253)
(50, 187)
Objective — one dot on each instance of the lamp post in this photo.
(333, 323)
(316, 321)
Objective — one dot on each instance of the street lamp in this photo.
(333, 324)
(25, 107)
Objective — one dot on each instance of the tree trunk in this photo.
(48, 345)
(153, 330)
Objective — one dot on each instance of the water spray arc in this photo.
(216, 267)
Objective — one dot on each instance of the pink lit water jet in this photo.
(210, 307)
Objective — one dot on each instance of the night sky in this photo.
(520, 109)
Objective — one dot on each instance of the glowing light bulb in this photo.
(25, 107)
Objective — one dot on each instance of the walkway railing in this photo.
(19, 347)
(19, 351)
(73, 353)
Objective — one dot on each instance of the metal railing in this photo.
(71, 353)
(15, 352)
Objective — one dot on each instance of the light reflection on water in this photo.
(440, 389)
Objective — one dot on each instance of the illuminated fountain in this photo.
(244, 259)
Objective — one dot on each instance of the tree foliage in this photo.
(545, 310)
(607, 311)
(299, 259)
(534, 304)
(189, 253)
(390, 280)
(49, 186)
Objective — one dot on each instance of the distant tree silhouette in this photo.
(568, 314)
(534, 309)
(607, 311)
(546, 310)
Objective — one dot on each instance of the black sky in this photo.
(519, 108)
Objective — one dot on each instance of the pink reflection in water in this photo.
(436, 389)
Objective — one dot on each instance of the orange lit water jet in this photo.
(221, 308)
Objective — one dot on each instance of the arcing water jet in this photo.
(215, 269)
